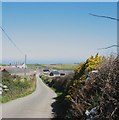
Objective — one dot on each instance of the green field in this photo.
(2, 64)
(53, 66)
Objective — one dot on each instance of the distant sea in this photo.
(44, 61)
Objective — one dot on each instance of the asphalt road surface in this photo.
(36, 105)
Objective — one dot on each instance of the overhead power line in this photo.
(107, 17)
(11, 40)
(108, 47)
(14, 46)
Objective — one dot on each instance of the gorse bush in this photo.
(100, 91)
(92, 63)
(82, 72)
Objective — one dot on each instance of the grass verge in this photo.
(17, 86)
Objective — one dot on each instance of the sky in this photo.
(53, 32)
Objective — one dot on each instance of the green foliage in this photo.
(100, 91)
(78, 81)
(82, 71)
(18, 86)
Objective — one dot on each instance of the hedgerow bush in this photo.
(101, 92)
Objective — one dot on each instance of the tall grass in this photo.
(17, 86)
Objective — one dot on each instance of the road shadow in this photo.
(59, 107)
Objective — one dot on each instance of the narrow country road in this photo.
(36, 105)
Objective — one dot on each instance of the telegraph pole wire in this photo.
(108, 47)
(107, 17)
(11, 40)
(15, 47)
